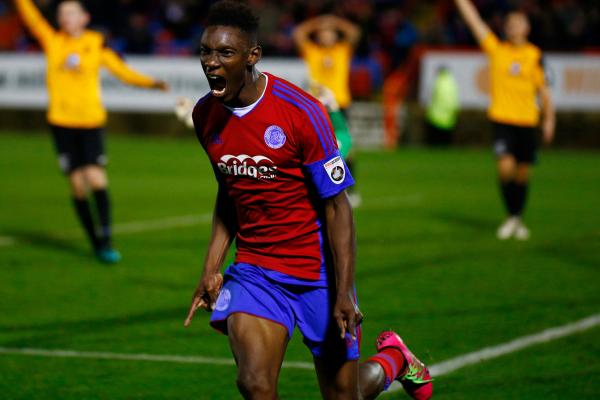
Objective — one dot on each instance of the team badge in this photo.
(335, 170)
(223, 300)
(72, 61)
(515, 68)
(274, 137)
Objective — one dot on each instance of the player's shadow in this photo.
(467, 221)
(46, 241)
(57, 331)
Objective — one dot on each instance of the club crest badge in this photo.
(274, 137)
(223, 300)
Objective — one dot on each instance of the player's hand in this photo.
(548, 128)
(205, 295)
(347, 314)
(161, 85)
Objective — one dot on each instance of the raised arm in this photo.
(35, 22)
(340, 232)
(474, 21)
(302, 32)
(224, 228)
(548, 112)
(350, 31)
(121, 70)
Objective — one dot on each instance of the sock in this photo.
(85, 218)
(520, 194)
(508, 195)
(103, 206)
(393, 363)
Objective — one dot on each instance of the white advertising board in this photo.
(23, 83)
(574, 78)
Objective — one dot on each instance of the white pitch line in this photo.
(125, 228)
(161, 224)
(137, 357)
(436, 370)
(489, 353)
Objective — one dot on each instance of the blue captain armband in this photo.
(330, 175)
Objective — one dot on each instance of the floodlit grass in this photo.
(428, 265)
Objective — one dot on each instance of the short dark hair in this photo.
(236, 14)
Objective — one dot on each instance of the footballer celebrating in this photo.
(281, 197)
(517, 80)
(75, 112)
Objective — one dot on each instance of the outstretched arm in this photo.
(340, 232)
(121, 70)
(224, 228)
(474, 21)
(549, 114)
(35, 22)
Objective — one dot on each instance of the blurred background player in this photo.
(517, 79)
(75, 112)
(442, 111)
(281, 196)
(327, 43)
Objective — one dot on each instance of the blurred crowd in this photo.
(390, 27)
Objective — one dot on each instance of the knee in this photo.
(507, 168)
(96, 177)
(522, 175)
(254, 385)
(77, 183)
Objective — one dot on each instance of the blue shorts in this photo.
(250, 290)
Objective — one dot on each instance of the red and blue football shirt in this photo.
(277, 163)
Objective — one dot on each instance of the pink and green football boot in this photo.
(415, 378)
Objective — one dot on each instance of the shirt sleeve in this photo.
(35, 22)
(490, 43)
(321, 156)
(121, 70)
(539, 75)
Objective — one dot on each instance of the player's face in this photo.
(72, 18)
(326, 37)
(227, 57)
(516, 27)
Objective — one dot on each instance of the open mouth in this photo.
(217, 84)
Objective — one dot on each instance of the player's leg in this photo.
(504, 147)
(338, 378)
(82, 208)
(394, 361)
(70, 162)
(258, 346)
(521, 188)
(255, 313)
(526, 155)
(97, 181)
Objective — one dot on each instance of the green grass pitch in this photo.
(428, 266)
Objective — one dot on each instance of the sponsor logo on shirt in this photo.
(335, 170)
(258, 167)
(274, 137)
